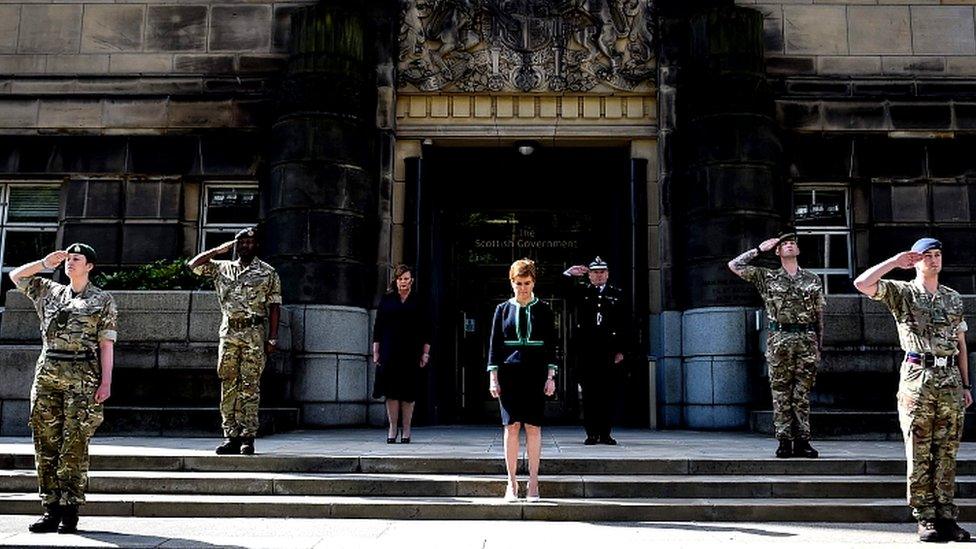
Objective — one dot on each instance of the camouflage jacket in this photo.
(926, 324)
(243, 292)
(69, 322)
(788, 299)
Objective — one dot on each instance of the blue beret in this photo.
(923, 245)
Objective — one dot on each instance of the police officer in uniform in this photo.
(600, 342)
(794, 302)
(249, 292)
(934, 389)
(72, 379)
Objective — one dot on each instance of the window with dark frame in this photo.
(28, 225)
(227, 208)
(822, 218)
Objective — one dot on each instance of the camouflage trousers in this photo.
(63, 419)
(240, 363)
(792, 359)
(930, 410)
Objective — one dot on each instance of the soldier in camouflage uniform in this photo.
(72, 379)
(794, 302)
(249, 292)
(934, 389)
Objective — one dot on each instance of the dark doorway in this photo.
(481, 209)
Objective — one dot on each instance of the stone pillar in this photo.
(727, 190)
(322, 214)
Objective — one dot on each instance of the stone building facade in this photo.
(456, 135)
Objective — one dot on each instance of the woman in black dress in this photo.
(401, 347)
(521, 365)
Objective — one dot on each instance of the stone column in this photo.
(728, 190)
(321, 223)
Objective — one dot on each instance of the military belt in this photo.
(929, 360)
(793, 328)
(75, 356)
(239, 323)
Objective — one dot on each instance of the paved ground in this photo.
(476, 441)
(367, 534)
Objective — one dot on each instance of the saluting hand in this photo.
(578, 270)
(768, 244)
(53, 259)
(907, 260)
(226, 246)
(618, 358)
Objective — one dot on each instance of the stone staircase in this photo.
(406, 486)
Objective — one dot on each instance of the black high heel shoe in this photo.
(393, 440)
(404, 440)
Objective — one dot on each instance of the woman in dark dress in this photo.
(401, 347)
(521, 366)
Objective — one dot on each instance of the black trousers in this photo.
(598, 381)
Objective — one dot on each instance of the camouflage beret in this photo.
(83, 249)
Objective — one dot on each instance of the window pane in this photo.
(33, 204)
(909, 203)
(950, 202)
(23, 246)
(811, 250)
(839, 255)
(820, 208)
(232, 205)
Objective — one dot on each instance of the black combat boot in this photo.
(785, 449)
(950, 530)
(231, 445)
(49, 522)
(927, 531)
(802, 448)
(247, 446)
(69, 520)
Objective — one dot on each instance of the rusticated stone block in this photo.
(240, 28)
(815, 29)
(330, 413)
(13, 418)
(946, 30)
(176, 28)
(9, 21)
(352, 384)
(203, 64)
(913, 65)
(17, 370)
(50, 29)
(316, 378)
(880, 29)
(112, 28)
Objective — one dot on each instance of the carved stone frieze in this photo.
(526, 45)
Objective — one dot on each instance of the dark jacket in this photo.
(522, 335)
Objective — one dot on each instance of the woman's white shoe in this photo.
(511, 495)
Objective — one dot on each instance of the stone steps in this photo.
(443, 485)
(843, 510)
(489, 465)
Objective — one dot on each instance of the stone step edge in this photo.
(485, 465)
(846, 510)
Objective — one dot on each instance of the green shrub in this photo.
(160, 275)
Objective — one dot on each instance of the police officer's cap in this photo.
(83, 249)
(250, 232)
(598, 264)
(923, 245)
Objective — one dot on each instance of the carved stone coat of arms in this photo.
(525, 45)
